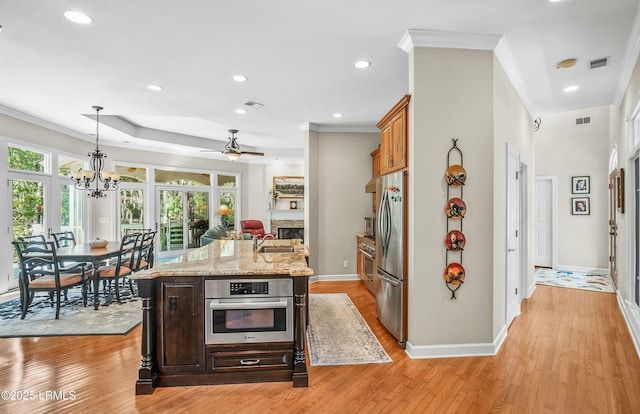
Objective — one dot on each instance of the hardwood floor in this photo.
(568, 352)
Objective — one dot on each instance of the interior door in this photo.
(544, 220)
(613, 227)
(513, 244)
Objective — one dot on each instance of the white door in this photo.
(544, 222)
(514, 293)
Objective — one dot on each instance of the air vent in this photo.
(585, 120)
(254, 104)
(598, 63)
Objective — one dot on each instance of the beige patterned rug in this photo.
(338, 335)
(111, 318)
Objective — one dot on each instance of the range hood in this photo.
(370, 187)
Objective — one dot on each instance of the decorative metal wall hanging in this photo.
(455, 209)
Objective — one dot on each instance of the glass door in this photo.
(29, 211)
(183, 216)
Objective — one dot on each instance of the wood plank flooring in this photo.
(568, 352)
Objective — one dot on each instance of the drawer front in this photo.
(250, 360)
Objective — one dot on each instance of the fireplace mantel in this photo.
(286, 218)
(276, 214)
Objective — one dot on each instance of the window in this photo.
(24, 159)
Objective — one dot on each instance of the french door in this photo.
(182, 216)
(30, 212)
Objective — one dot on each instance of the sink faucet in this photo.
(257, 244)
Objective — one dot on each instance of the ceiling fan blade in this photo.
(253, 153)
(210, 150)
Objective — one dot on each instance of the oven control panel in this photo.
(254, 288)
(248, 288)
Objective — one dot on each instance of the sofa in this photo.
(220, 232)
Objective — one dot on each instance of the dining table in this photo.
(96, 255)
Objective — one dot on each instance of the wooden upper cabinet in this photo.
(394, 128)
(375, 162)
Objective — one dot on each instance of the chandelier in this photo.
(95, 181)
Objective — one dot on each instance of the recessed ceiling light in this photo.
(362, 64)
(240, 78)
(337, 115)
(571, 88)
(155, 87)
(77, 17)
(241, 111)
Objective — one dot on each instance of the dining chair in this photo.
(33, 239)
(123, 266)
(144, 255)
(64, 239)
(40, 271)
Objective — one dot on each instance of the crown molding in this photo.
(42, 123)
(311, 126)
(473, 41)
(631, 53)
(451, 40)
(508, 63)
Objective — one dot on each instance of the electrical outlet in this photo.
(346, 263)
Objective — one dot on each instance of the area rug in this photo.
(594, 281)
(111, 318)
(338, 335)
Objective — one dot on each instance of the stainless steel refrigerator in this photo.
(390, 253)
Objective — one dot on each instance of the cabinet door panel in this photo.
(398, 141)
(181, 339)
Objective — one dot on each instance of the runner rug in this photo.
(594, 281)
(338, 335)
(111, 318)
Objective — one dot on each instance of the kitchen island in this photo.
(180, 345)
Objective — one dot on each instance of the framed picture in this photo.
(580, 206)
(288, 186)
(293, 205)
(580, 185)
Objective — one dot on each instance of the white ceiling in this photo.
(298, 56)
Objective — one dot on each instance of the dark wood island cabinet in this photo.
(176, 349)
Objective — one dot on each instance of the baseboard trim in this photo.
(332, 278)
(582, 269)
(631, 316)
(531, 289)
(456, 350)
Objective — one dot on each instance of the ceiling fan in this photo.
(232, 149)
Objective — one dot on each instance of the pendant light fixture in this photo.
(95, 181)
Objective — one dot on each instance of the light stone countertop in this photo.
(234, 257)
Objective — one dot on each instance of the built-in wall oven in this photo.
(367, 249)
(248, 310)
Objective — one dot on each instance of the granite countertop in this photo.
(235, 257)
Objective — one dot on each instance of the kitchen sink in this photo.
(276, 249)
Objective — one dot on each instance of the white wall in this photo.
(565, 150)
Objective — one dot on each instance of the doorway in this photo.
(182, 217)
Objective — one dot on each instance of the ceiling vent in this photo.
(254, 104)
(598, 63)
(585, 120)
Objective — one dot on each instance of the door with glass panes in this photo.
(182, 217)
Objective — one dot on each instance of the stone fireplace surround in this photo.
(275, 224)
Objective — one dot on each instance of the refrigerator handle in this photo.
(382, 226)
(383, 276)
